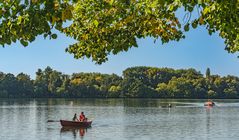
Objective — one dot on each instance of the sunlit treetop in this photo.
(103, 27)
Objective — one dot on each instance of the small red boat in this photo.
(209, 103)
(66, 123)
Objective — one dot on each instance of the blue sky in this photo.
(198, 50)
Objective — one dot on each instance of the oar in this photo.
(53, 120)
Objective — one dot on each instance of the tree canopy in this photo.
(136, 82)
(103, 27)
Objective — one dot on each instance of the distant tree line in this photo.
(136, 82)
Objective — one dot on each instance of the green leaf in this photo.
(54, 36)
(24, 43)
(186, 27)
(96, 23)
(190, 9)
(194, 24)
(19, 20)
(32, 38)
(171, 7)
(26, 2)
(199, 1)
(45, 35)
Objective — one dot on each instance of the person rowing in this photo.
(75, 118)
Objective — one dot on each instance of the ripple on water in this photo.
(120, 120)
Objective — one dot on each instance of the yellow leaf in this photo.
(54, 19)
(67, 13)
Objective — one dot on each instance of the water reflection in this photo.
(80, 131)
(208, 120)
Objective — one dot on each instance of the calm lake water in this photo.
(119, 119)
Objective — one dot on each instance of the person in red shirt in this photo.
(82, 117)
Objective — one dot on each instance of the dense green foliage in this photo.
(136, 82)
(103, 27)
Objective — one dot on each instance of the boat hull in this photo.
(65, 123)
(209, 104)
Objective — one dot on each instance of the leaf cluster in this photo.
(103, 27)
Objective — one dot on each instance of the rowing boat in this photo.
(209, 103)
(65, 123)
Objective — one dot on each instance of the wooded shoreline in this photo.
(136, 82)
